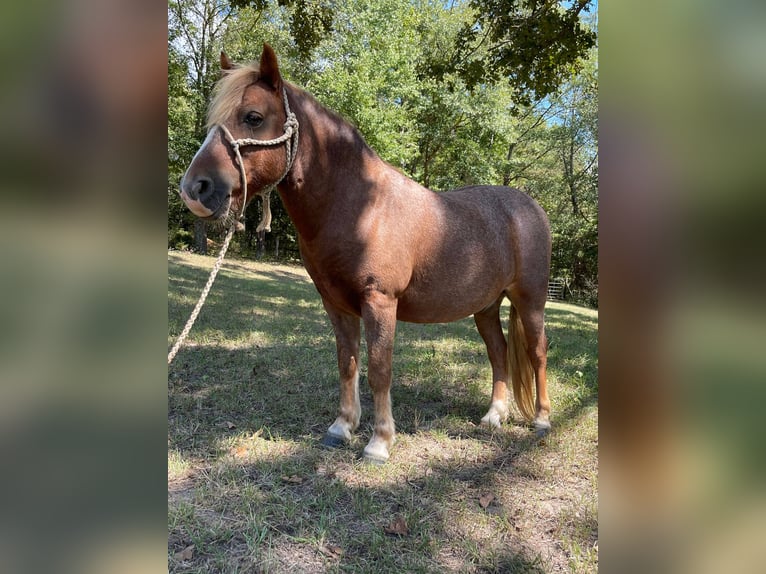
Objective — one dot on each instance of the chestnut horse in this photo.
(378, 246)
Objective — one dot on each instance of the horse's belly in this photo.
(432, 308)
(440, 294)
(414, 315)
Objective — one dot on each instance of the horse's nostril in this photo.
(202, 189)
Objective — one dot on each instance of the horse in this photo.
(379, 247)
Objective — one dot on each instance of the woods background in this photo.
(451, 93)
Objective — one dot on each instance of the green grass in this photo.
(255, 387)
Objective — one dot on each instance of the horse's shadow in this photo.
(282, 372)
(286, 387)
(290, 385)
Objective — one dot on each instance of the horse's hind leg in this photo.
(530, 306)
(347, 333)
(491, 330)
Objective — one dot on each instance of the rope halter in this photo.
(289, 137)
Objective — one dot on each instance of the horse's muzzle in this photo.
(195, 206)
(205, 197)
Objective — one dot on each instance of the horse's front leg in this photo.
(379, 316)
(346, 329)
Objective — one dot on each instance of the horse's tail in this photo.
(520, 367)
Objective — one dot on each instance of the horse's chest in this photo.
(339, 287)
(347, 267)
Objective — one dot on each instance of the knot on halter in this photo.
(289, 137)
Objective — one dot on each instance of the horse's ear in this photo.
(225, 62)
(269, 68)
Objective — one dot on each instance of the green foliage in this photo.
(180, 239)
(535, 44)
(373, 82)
(444, 93)
(310, 21)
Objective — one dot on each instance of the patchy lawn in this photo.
(254, 389)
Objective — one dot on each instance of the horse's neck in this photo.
(329, 169)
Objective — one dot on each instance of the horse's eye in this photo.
(253, 119)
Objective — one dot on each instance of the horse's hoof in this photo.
(376, 452)
(542, 428)
(496, 416)
(374, 460)
(332, 441)
(492, 421)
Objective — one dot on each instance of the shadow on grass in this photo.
(262, 363)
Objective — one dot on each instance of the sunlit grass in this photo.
(255, 389)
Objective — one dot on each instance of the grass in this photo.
(250, 489)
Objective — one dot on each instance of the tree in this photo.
(309, 22)
(397, 70)
(195, 29)
(534, 44)
(182, 144)
(577, 146)
(556, 160)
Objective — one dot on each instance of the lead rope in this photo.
(290, 136)
(202, 297)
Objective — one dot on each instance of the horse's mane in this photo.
(229, 91)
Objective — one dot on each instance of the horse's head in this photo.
(247, 106)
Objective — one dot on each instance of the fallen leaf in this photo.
(324, 471)
(240, 452)
(486, 499)
(294, 479)
(227, 425)
(398, 527)
(331, 550)
(185, 554)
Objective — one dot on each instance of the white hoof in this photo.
(542, 427)
(497, 415)
(376, 451)
(340, 429)
(542, 424)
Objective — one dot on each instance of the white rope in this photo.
(202, 297)
(290, 136)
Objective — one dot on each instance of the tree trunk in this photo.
(200, 236)
(426, 175)
(507, 176)
(260, 244)
(276, 247)
(573, 198)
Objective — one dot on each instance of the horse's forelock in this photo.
(229, 91)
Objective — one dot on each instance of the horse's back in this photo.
(497, 217)
(495, 204)
(487, 238)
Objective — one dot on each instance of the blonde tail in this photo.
(520, 367)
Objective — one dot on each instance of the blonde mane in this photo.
(229, 91)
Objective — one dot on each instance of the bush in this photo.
(180, 239)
